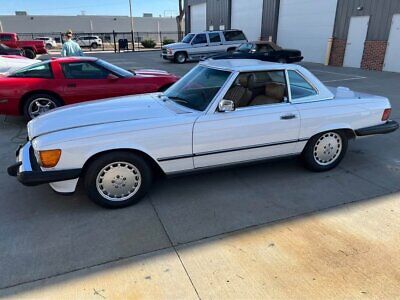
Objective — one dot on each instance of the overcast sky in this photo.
(90, 7)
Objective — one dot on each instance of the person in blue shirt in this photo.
(70, 47)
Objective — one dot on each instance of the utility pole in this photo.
(132, 30)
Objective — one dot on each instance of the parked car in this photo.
(36, 89)
(262, 50)
(196, 46)
(48, 41)
(92, 41)
(11, 63)
(30, 48)
(5, 50)
(222, 112)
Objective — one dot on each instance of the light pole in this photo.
(130, 11)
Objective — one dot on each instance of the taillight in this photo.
(386, 114)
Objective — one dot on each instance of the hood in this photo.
(176, 46)
(151, 72)
(97, 112)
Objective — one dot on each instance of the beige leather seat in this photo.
(241, 93)
(274, 93)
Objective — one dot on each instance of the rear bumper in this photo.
(387, 127)
(28, 172)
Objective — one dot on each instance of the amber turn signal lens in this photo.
(49, 158)
(386, 114)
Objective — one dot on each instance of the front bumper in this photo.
(29, 173)
(387, 127)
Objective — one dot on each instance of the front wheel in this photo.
(94, 45)
(180, 57)
(324, 151)
(118, 179)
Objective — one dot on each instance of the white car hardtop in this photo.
(220, 113)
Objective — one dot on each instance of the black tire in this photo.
(94, 45)
(180, 57)
(29, 53)
(27, 107)
(310, 153)
(49, 46)
(95, 169)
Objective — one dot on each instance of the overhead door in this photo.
(246, 15)
(198, 14)
(355, 41)
(306, 25)
(392, 58)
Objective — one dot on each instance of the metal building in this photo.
(354, 33)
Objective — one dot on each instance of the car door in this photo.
(260, 127)
(200, 46)
(85, 80)
(216, 45)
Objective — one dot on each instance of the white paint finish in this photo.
(198, 17)
(162, 129)
(358, 30)
(245, 127)
(247, 16)
(392, 57)
(11, 64)
(306, 25)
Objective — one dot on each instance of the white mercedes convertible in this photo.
(222, 112)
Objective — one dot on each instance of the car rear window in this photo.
(40, 70)
(235, 35)
(5, 37)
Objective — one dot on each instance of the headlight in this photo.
(48, 158)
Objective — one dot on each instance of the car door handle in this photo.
(71, 85)
(288, 117)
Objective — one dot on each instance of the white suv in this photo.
(92, 41)
(196, 46)
(48, 41)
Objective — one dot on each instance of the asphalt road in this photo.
(44, 235)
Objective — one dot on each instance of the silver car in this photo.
(195, 46)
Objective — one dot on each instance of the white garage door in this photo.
(247, 16)
(198, 15)
(392, 58)
(306, 25)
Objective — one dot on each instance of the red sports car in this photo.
(38, 88)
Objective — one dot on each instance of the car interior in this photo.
(258, 88)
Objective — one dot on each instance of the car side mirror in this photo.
(112, 77)
(226, 105)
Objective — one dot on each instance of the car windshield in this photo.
(114, 69)
(187, 39)
(198, 87)
(246, 47)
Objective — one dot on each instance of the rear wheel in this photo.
(49, 46)
(180, 57)
(325, 151)
(29, 53)
(118, 179)
(38, 104)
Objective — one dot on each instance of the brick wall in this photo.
(337, 52)
(374, 55)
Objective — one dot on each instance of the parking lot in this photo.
(272, 229)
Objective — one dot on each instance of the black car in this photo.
(4, 50)
(266, 51)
